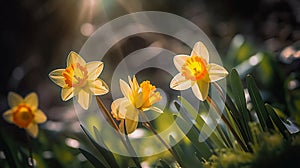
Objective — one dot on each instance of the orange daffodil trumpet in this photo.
(137, 98)
(196, 72)
(80, 79)
(24, 112)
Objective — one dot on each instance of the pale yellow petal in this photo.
(39, 116)
(179, 60)
(139, 100)
(180, 83)
(156, 109)
(84, 99)
(131, 125)
(125, 89)
(32, 100)
(131, 112)
(57, 78)
(201, 51)
(98, 87)
(67, 93)
(115, 108)
(135, 84)
(32, 130)
(14, 99)
(121, 126)
(216, 72)
(94, 69)
(8, 116)
(73, 57)
(131, 122)
(201, 89)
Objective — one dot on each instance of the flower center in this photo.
(75, 75)
(23, 116)
(149, 95)
(194, 68)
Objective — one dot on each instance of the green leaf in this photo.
(92, 159)
(242, 114)
(107, 155)
(200, 123)
(258, 104)
(178, 152)
(193, 135)
(277, 121)
(164, 164)
(9, 148)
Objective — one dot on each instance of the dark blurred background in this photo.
(37, 35)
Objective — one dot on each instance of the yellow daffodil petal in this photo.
(67, 93)
(131, 125)
(130, 111)
(32, 130)
(201, 51)
(57, 78)
(156, 109)
(125, 89)
(32, 101)
(216, 72)
(84, 99)
(134, 84)
(74, 58)
(201, 90)
(139, 100)
(179, 60)
(14, 99)
(94, 69)
(180, 83)
(98, 87)
(39, 116)
(8, 116)
(115, 109)
(131, 121)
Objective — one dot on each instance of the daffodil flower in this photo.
(196, 72)
(137, 98)
(79, 79)
(24, 112)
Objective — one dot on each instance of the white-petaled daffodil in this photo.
(196, 72)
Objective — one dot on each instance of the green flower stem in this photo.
(211, 102)
(107, 115)
(30, 159)
(130, 146)
(149, 126)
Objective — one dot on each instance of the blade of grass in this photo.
(258, 104)
(92, 159)
(10, 154)
(277, 121)
(178, 152)
(243, 115)
(200, 123)
(107, 155)
(193, 134)
(164, 164)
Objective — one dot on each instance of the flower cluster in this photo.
(80, 80)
